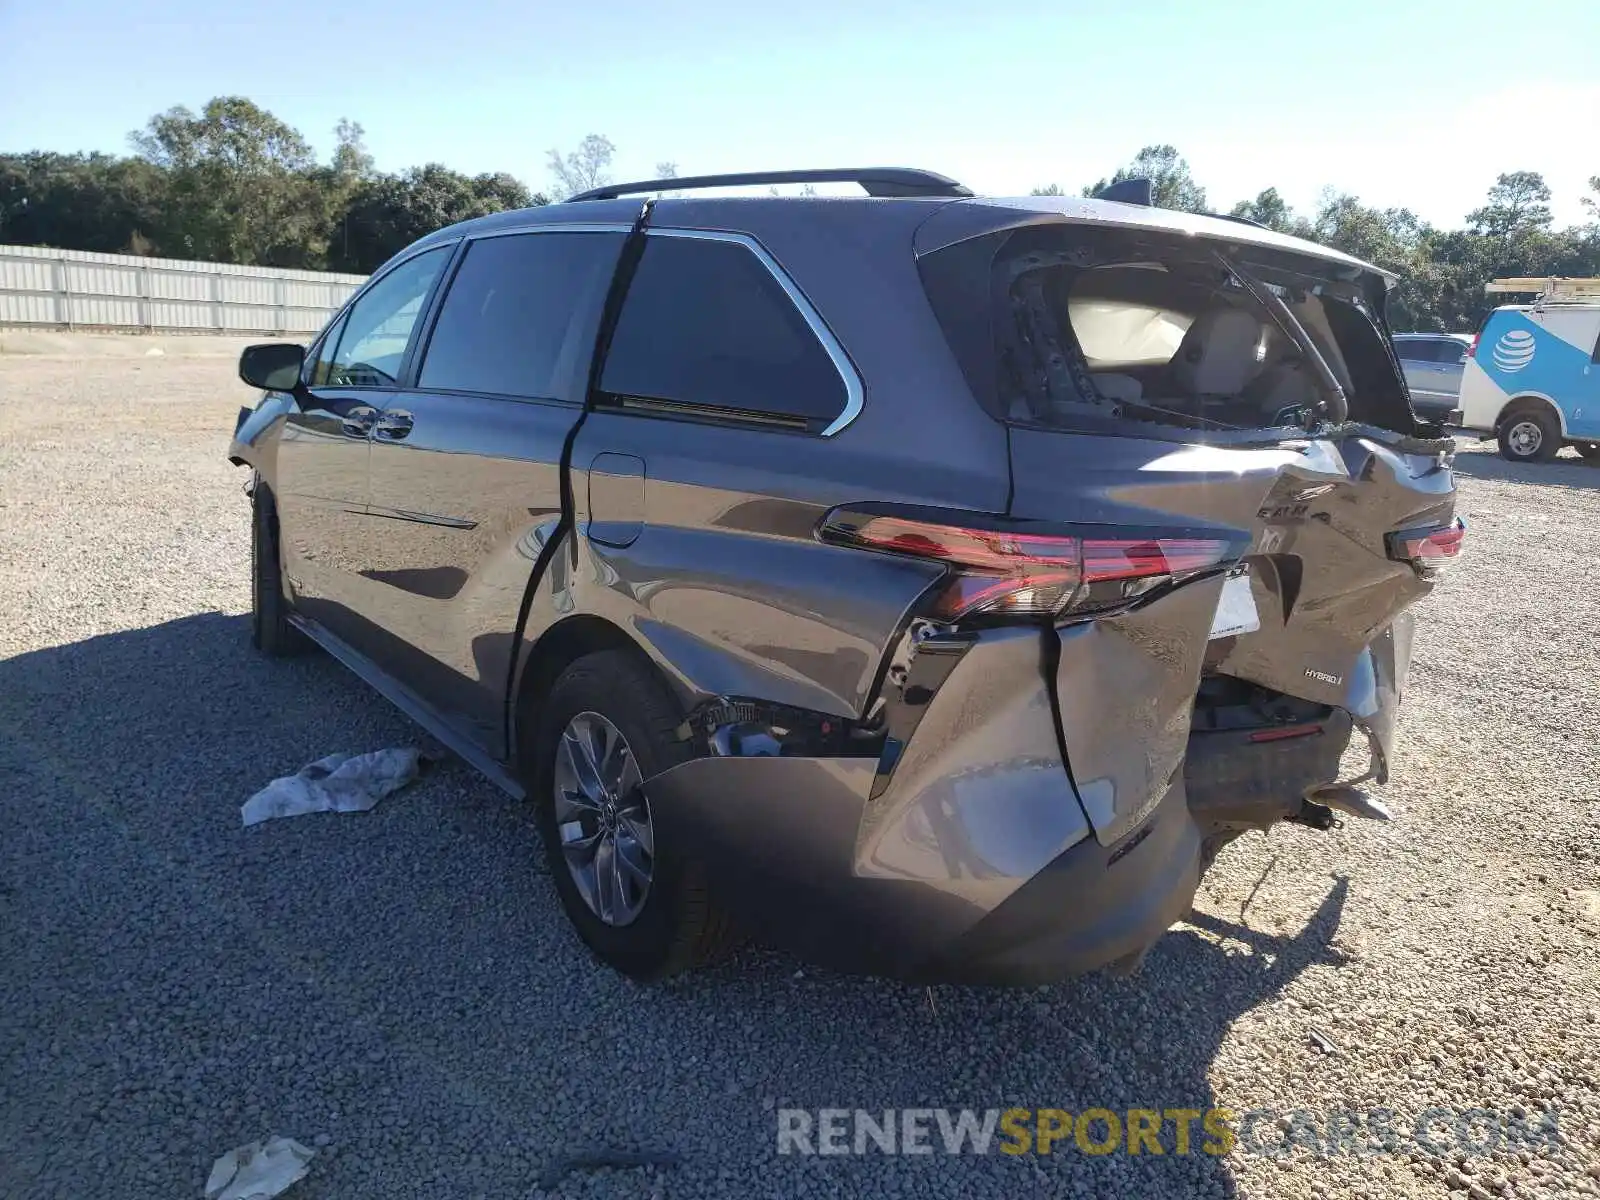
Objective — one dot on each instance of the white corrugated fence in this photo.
(74, 289)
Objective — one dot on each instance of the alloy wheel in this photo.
(607, 839)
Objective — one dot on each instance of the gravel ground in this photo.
(400, 990)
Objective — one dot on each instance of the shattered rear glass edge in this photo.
(1147, 334)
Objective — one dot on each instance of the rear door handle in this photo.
(357, 422)
(394, 425)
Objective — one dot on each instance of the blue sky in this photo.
(1403, 102)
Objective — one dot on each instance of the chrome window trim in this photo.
(853, 389)
(550, 227)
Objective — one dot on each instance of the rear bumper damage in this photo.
(977, 858)
(1126, 756)
(1047, 797)
(976, 862)
(779, 839)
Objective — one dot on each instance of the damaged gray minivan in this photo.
(926, 583)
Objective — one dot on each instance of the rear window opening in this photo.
(1100, 329)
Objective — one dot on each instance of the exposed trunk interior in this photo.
(1093, 328)
(1241, 392)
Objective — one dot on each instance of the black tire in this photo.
(270, 631)
(678, 926)
(1589, 450)
(1530, 435)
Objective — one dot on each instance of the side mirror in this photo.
(273, 366)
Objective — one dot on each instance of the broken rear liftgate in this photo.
(1227, 609)
(1243, 683)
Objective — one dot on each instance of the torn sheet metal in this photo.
(258, 1170)
(337, 783)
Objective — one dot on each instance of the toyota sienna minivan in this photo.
(928, 583)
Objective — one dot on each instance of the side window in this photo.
(378, 328)
(1451, 352)
(705, 323)
(322, 357)
(521, 314)
(1411, 349)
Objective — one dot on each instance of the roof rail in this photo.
(1552, 289)
(877, 181)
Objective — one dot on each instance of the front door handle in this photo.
(393, 425)
(357, 422)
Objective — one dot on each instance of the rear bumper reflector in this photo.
(1284, 734)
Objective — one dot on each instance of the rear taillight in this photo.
(1472, 350)
(1428, 548)
(1006, 572)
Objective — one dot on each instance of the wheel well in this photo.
(257, 489)
(1522, 404)
(562, 645)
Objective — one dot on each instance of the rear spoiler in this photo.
(1142, 191)
(1129, 191)
(966, 220)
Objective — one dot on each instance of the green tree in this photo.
(233, 183)
(1269, 209)
(241, 185)
(1049, 189)
(80, 201)
(1511, 235)
(1591, 202)
(352, 167)
(351, 159)
(498, 192)
(1390, 238)
(389, 212)
(1518, 203)
(1172, 185)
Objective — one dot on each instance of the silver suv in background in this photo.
(1432, 363)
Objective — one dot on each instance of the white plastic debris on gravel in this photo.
(337, 783)
(258, 1170)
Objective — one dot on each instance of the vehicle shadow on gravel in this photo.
(1142, 1042)
(401, 986)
